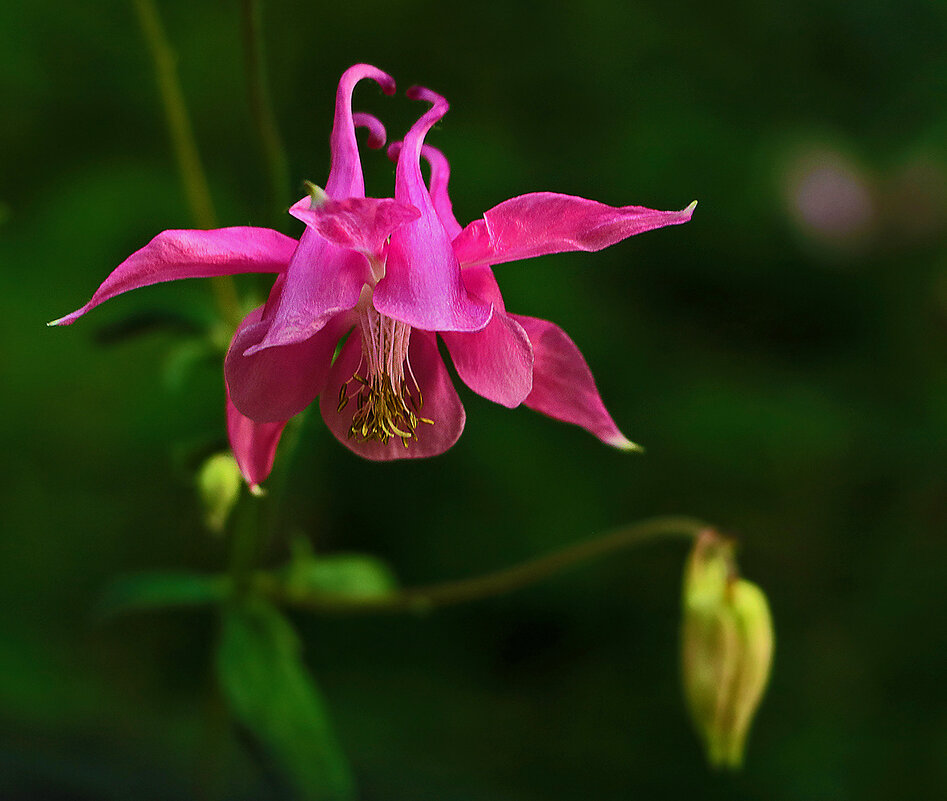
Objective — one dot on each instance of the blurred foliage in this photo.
(158, 591)
(348, 575)
(269, 691)
(783, 364)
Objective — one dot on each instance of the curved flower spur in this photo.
(395, 272)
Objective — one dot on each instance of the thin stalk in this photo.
(278, 483)
(261, 106)
(188, 159)
(246, 541)
(489, 585)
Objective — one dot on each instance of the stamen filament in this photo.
(384, 399)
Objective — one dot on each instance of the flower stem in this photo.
(188, 159)
(489, 585)
(261, 106)
(246, 541)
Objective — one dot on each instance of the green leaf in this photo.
(150, 591)
(350, 575)
(270, 692)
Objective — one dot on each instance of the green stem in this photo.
(261, 106)
(185, 147)
(489, 585)
(245, 543)
(278, 483)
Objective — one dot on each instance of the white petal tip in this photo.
(257, 491)
(690, 208)
(54, 323)
(625, 444)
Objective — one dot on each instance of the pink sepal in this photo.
(322, 280)
(277, 383)
(563, 386)
(194, 254)
(253, 445)
(546, 222)
(497, 361)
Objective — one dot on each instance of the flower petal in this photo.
(376, 131)
(481, 282)
(440, 177)
(440, 403)
(546, 222)
(194, 254)
(323, 278)
(563, 386)
(361, 224)
(253, 445)
(345, 176)
(422, 285)
(276, 383)
(497, 361)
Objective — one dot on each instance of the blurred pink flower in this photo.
(830, 197)
(394, 272)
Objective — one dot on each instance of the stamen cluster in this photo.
(386, 404)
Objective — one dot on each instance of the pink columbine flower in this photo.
(391, 274)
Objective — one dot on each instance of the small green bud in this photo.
(219, 485)
(317, 194)
(727, 649)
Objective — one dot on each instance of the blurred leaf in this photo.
(148, 591)
(143, 324)
(349, 574)
(182, 361)
(270, 692)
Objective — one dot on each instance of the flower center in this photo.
(385, 392)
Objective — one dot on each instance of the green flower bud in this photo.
(727, 649)
(219, 485)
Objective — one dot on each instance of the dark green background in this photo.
(789, 387)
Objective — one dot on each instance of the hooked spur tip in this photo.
(377, 135)
(393, 150)
(425, 94)
(358, 72)
(388, 85)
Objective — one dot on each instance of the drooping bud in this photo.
(727, 649)
(219, 485)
